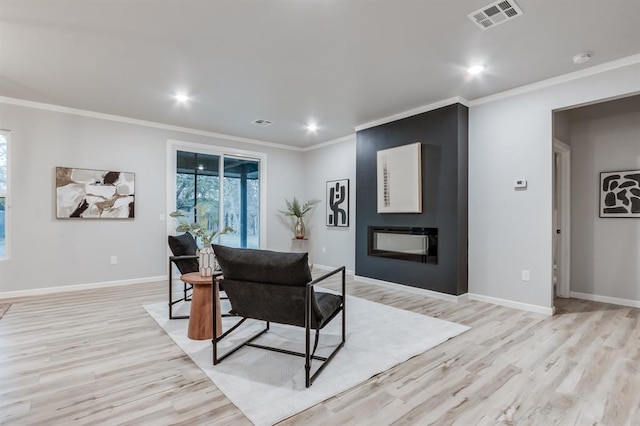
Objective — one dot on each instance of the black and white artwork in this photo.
(338, 203)
(620, 194)
(94, 194)
(399, 184)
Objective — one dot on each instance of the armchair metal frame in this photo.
(308, 354)
(187, 287)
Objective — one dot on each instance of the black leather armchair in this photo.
(184, 249)
(277, 287)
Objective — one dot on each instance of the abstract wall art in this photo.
(620, 194)
(399, 179)
(338, 203)
(94, 194)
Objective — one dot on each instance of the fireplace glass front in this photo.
(404, 243)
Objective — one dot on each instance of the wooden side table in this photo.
(200, 318)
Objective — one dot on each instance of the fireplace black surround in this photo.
(444, 138)
(404, 243)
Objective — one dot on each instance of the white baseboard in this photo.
(511, 304)
(415, 290)
(606, 299)
(331, 268)
(78, 287)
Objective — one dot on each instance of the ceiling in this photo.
(338, 63)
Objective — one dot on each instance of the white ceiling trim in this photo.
(597, 69)
(412, 112)
(127, 120)
(347, 138)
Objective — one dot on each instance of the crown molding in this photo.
(330, 142)
(145, 123)
(412, 112)
(553, 81)
(597, 69)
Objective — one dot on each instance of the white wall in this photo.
(333, 162)
(46, 252)
(561, 127)
(510, 138)
(605, 253)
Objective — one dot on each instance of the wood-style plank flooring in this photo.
(96, 358)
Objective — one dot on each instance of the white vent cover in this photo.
(495, 14)
(262, 123)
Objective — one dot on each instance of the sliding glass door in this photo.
(234, 204)
(241, 202)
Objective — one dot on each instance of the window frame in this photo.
(173, 146)
(7, 199)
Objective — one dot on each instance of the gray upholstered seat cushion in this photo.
(263, 266)
(283, 304)
(327, 305)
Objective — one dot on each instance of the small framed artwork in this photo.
(399, 173)
(620, 194)
(94, 194)
(338, 203)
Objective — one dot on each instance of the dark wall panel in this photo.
(443, 134)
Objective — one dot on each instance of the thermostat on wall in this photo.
(520, 183)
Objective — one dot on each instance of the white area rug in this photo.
(269, 387)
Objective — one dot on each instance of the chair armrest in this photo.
(188, 256)
(327, 275)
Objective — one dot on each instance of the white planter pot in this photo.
(207, 261)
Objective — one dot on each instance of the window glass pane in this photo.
(198, 185)
(3, 165)
(3, 242)
(3, 193)
(241, 202)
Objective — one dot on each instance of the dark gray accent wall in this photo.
(444, 137)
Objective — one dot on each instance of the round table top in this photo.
(197, 279)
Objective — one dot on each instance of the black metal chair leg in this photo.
(315, 343)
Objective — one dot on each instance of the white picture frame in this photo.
(399, 179)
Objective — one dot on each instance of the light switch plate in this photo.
(520, 183)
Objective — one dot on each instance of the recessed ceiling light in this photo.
(312, 127)
(581, 58)
(181, 97)
(476, 69)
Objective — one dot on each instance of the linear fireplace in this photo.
(404, 243)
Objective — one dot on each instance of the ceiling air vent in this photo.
(495, 14)
(262, 123)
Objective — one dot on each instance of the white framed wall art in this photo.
(399, 179)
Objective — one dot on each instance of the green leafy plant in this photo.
(295, 209)
(198, 229)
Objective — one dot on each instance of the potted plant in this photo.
(199, 229)
(294, 209)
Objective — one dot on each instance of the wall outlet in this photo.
(114, 260)
(162, 217)
(324, 249)
(526, 275)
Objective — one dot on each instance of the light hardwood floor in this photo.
(96, 358)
